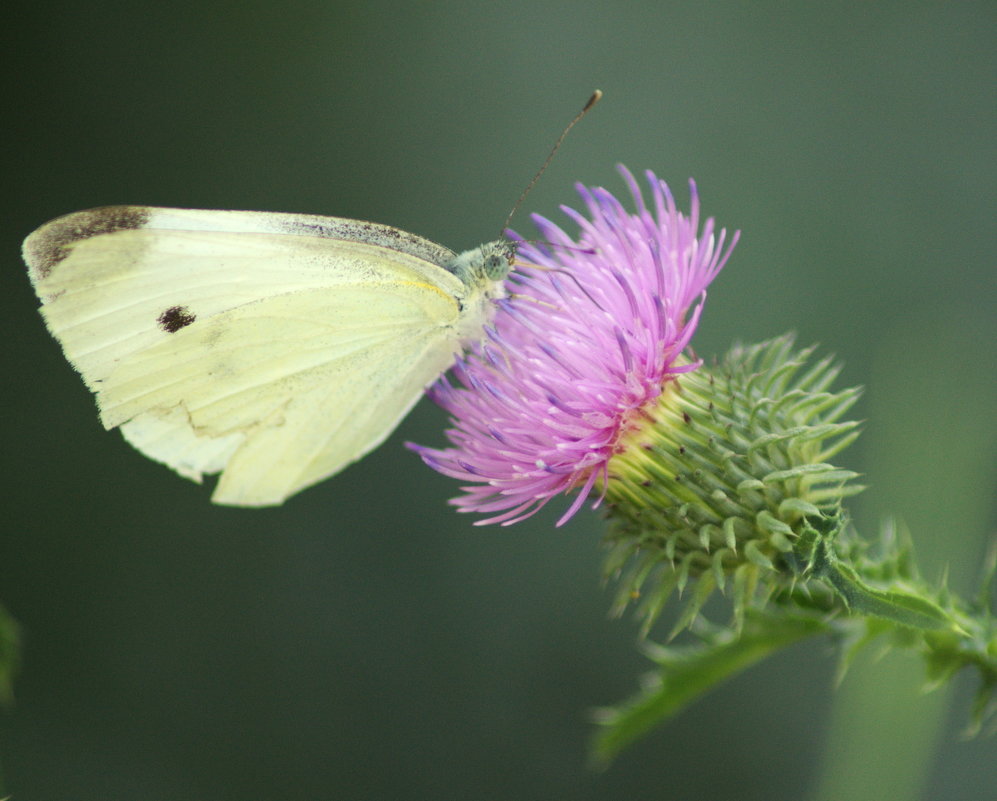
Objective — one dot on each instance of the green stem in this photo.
(949, 633)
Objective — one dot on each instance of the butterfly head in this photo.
(486, 264)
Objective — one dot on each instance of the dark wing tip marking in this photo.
(175, 318)
(50, 244)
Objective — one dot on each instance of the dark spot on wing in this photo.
(175, 318)
(51, 243)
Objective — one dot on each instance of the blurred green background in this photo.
(364, 642)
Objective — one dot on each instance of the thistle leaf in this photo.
(685, 673)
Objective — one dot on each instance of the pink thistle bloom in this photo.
(578, 354)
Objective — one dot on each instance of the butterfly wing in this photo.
(275, 349)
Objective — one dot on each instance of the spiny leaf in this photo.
(686, 673)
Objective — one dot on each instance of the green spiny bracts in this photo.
(731, 481)
(729, 485)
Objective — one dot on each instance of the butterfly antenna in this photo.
(596, 96)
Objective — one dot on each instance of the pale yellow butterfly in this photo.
(273, 348)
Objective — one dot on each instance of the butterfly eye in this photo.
(496, 266)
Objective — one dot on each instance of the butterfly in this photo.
(274, 349)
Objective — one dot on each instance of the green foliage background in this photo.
(364, 642)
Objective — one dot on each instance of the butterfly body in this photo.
(272, 348)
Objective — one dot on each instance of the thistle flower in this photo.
(718, 476)
(590, 337)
